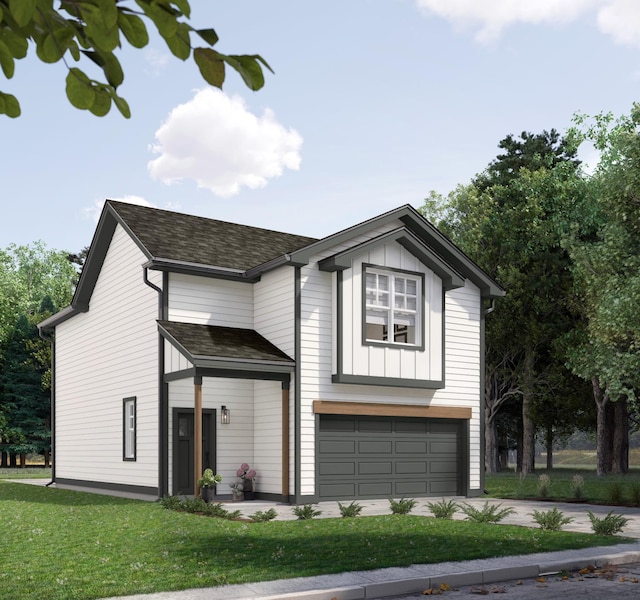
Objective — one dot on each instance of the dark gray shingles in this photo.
(223, 342)
(191, 239)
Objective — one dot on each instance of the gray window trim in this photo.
(363, 294)
(125, 402)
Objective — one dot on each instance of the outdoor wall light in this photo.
(225, 415)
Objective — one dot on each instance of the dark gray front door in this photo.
(183, 440)
(382, 457)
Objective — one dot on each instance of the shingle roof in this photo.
(191, 239)
(223, 342)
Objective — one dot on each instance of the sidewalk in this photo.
(395, 581)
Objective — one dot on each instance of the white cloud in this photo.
(488, 18)
(214, 140)
(156, 60)
(621, 20)
(94, 211)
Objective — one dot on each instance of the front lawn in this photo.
(64, 544)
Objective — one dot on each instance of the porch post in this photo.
(285, 438)
(197, 425)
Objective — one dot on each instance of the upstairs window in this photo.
(129, 428)
(392, 307)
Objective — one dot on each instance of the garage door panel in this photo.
(375, 447)
(382, 457)
(339, 447)
(337, 468)
(375, 468)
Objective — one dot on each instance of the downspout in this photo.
(52, 341)
(297, 472)
(483, 408)
(161, 420)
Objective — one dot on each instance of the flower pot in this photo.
(238, 496)
(207, 494)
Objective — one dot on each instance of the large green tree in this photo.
(604, 244)
(90, 32)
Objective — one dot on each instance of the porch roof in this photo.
(210, 346)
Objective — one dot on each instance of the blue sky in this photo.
(373, 104)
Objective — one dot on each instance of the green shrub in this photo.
(487, 514)
(199, 506)
(609, 525)
(444, 509)
(615, 492)
(306, 512)
(403, 506)
(551, 520)
(264, 515)
(351, 510)
(635, 493)
(577, 486)
(544, 483)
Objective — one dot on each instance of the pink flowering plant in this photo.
(246, 472)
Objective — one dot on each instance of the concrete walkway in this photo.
(396, 581)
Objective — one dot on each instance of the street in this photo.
(620, 582)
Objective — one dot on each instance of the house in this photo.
(347, 367)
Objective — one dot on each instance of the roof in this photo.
(224, 347)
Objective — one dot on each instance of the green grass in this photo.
(63, 544)
(27, 473)
(596, 490)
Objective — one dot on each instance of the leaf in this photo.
(17, 44)
(184, 7)
(133, 29)
(121, 105)
(6, 60)
(180, 43)
(22, 11)
(208, 35)
(102, 104)
(101, 26)
(79, 89)
(211, 65)
(9, 105)
(163, 19)
(249, 69)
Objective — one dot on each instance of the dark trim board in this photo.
(124, 489)
(426, 384)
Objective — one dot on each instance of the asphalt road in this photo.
(621, 582)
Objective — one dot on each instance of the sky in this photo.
(373, 104)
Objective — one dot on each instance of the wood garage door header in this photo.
(323, 407)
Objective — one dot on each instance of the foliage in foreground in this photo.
(349, 510)
(489, 513)
(444, 509)
(306, 512)
(198, 506)
(403, 506)
(551, 520)
(608, 525)
(101, 546)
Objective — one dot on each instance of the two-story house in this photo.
(346, 367)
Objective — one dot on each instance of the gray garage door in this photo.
(381, 457)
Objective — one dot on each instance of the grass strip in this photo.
(64, 544)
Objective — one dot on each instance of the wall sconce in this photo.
(225, 415)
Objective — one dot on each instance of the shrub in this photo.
(264, 515)
(551, 520)
(487, 514)
(577, 486)
(403, 506)
(351, 510)
(199, 506)
(544, 483)
(609, 525)
(615, 493)
(306, 512)
(445, 509)
(635, 493)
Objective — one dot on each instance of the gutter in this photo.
(52, 341)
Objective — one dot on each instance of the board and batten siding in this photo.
(461, 365)
(385, 361)
(210, 301)
(103, 356)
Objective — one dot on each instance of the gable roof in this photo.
(184, 243)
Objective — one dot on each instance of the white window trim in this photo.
(391, 311)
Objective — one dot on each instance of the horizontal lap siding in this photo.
(103, 356)
(209, 301)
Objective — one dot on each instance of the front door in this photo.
(183, 440)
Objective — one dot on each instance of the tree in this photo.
(93, 30)
(604, 244)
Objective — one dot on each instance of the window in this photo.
(129, 428)
(392, 307)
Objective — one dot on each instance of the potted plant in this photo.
(207, 484)
(247, 476)
(237, 491)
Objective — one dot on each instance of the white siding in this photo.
(103, 356)
(462, 362)
(209, 301)
(273, 312)
(173, 359)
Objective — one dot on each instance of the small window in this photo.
(129, 428)
(392, 307)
